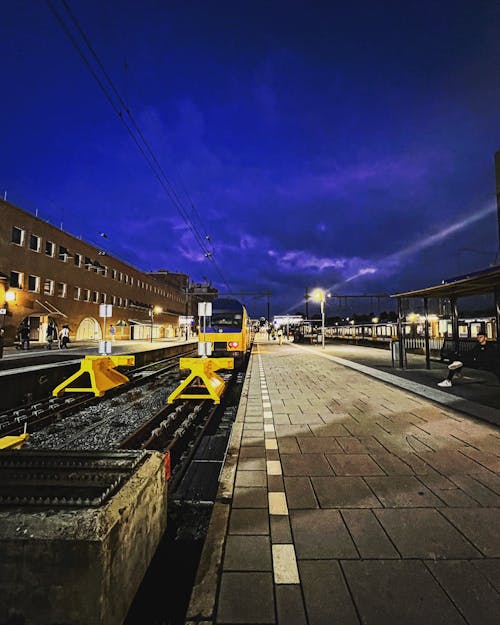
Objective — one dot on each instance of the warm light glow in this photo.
(10, 296)
(157, 310)
(318, 295)
(375, 320)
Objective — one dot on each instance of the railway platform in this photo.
(352, 495)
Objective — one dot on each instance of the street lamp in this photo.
(157, 310)
(320, 296)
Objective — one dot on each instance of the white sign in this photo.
(185, 320)
(105, 310)
(104, 347)
(3, 311)
(204, 309)
(204, 349)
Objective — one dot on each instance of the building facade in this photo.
(46, 274)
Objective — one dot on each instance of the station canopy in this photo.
(477, 283)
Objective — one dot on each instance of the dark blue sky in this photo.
(342, 145)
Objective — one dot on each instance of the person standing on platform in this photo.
(112, 332)
(280, 336)
(51, 334)
(24, 335)
(64, 338)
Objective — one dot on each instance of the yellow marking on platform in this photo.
(271, 443)
(274, 467)
(285, 565)
(277, 503)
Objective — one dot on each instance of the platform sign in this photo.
(183, 321)
(204, 309)
(3, 311)
(105, 310)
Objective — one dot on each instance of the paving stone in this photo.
(288, 445)
(425, 533)
(300, 493)
(368, 535)
(293, 430)
(475, 489)
(344, 492)
(251, 478)
(305, 464)
(247, 553)
(451, 461)
(490, 570)
(275, 483)
(252, 441)
(480, 526)
(249, 521)
(326, 596)
(321, 534)
(389, 592)
(317, 444)
(391, 464)
(250, 427)
(246, 598)
(252, 452)
(353, 464)
(290, 605)
(397, 491)
(465, 585)
(304, 417)
(250, 497)
(329, 429)
(280, 529)
(251, 464)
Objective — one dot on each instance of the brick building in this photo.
(47, 274)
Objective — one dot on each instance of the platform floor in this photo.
(345, 499)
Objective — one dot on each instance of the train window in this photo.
(34, 284)
(35, 243)
(463, 331)
(16, 279)
(48, 286)
(17, 235)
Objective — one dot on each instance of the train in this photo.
(229, 329)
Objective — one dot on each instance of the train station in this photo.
(249, 313)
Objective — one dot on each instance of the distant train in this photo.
(229, 329)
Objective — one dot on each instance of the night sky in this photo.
(342, 145)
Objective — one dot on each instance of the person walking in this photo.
(64, 337)
(51, 334)
(112, 332)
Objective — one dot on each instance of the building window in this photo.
(103, 298)
(120, 276)
(61, 289)
(95, 297)
(113, 300)
(16, 279)
(49, 248)
(76, 292)
(131, 281)
(63, 253)
(104, 270)
(113, 274)
(77, 259)
(89, 265)
(17, 235)
(86, 295)
(48, 287)
(35, 243)
(34, 284)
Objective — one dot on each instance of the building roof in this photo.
(476, 283)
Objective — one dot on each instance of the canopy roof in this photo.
(476, 283)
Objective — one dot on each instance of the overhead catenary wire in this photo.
(120, 107)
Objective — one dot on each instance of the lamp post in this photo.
(157, 310)
(320, 296)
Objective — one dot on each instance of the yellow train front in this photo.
(229, 330)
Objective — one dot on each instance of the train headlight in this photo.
(233, 344)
